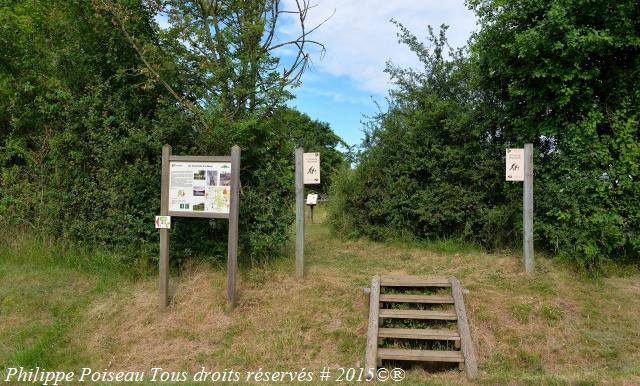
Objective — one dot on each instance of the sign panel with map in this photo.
(199, 187)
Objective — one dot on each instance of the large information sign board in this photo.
(200, 187)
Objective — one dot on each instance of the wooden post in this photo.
(311, 206)
(366, 298)
(164, 233)
(232, 259)
(371, 353)
(527, 209)
(470, 364)
(299, 213)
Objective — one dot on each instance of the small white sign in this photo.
(163, 222)
(311, 168)
(515, 165)
(312, 199)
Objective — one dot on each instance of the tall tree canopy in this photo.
(90, 91)
(560, 74)
(564, 76)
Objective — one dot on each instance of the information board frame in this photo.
(204, 159)
(232, 217)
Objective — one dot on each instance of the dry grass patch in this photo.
(554, 327)
(130, 332)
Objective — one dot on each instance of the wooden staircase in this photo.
(387, 290)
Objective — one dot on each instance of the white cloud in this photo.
(360, 38)
(338, 97)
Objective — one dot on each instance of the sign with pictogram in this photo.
(311, 168)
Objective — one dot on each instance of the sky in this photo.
(342, 86)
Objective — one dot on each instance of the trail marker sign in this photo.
(519, 167)
(311, 168)
(515, 165)
(312, 199)
(163, 222)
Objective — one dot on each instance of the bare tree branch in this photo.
(118, 20)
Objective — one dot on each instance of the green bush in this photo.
(564, 77)
(82, 127)
(560, 75)
(418, 173)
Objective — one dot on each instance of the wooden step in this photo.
(428, 299)
(419, 333)
(418, 314)
(413, 281)
(420, 355)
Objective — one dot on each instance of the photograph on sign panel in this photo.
(225, 178)
(199, 175)
(212, 178)
(198, 207)
(198, 191)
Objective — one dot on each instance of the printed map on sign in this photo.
(200, 186)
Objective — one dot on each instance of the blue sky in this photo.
(342, 85)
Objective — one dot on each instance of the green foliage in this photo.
(80, 133)
(561, 75)
(415, 173)
(89, 93)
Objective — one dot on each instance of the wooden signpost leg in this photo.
(299, 213)
(232, 259)
(164, 233)
(528, 208)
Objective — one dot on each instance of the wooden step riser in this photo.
(418, 334)
(420, 355)
(421, 299)
(418, 314)
(412, 281)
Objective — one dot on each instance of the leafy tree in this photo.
(564, 76)
(418, 171)
(91, 90)
(236, 87)
(80, 129)
(229, 47)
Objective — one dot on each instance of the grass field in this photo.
(64, 309)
